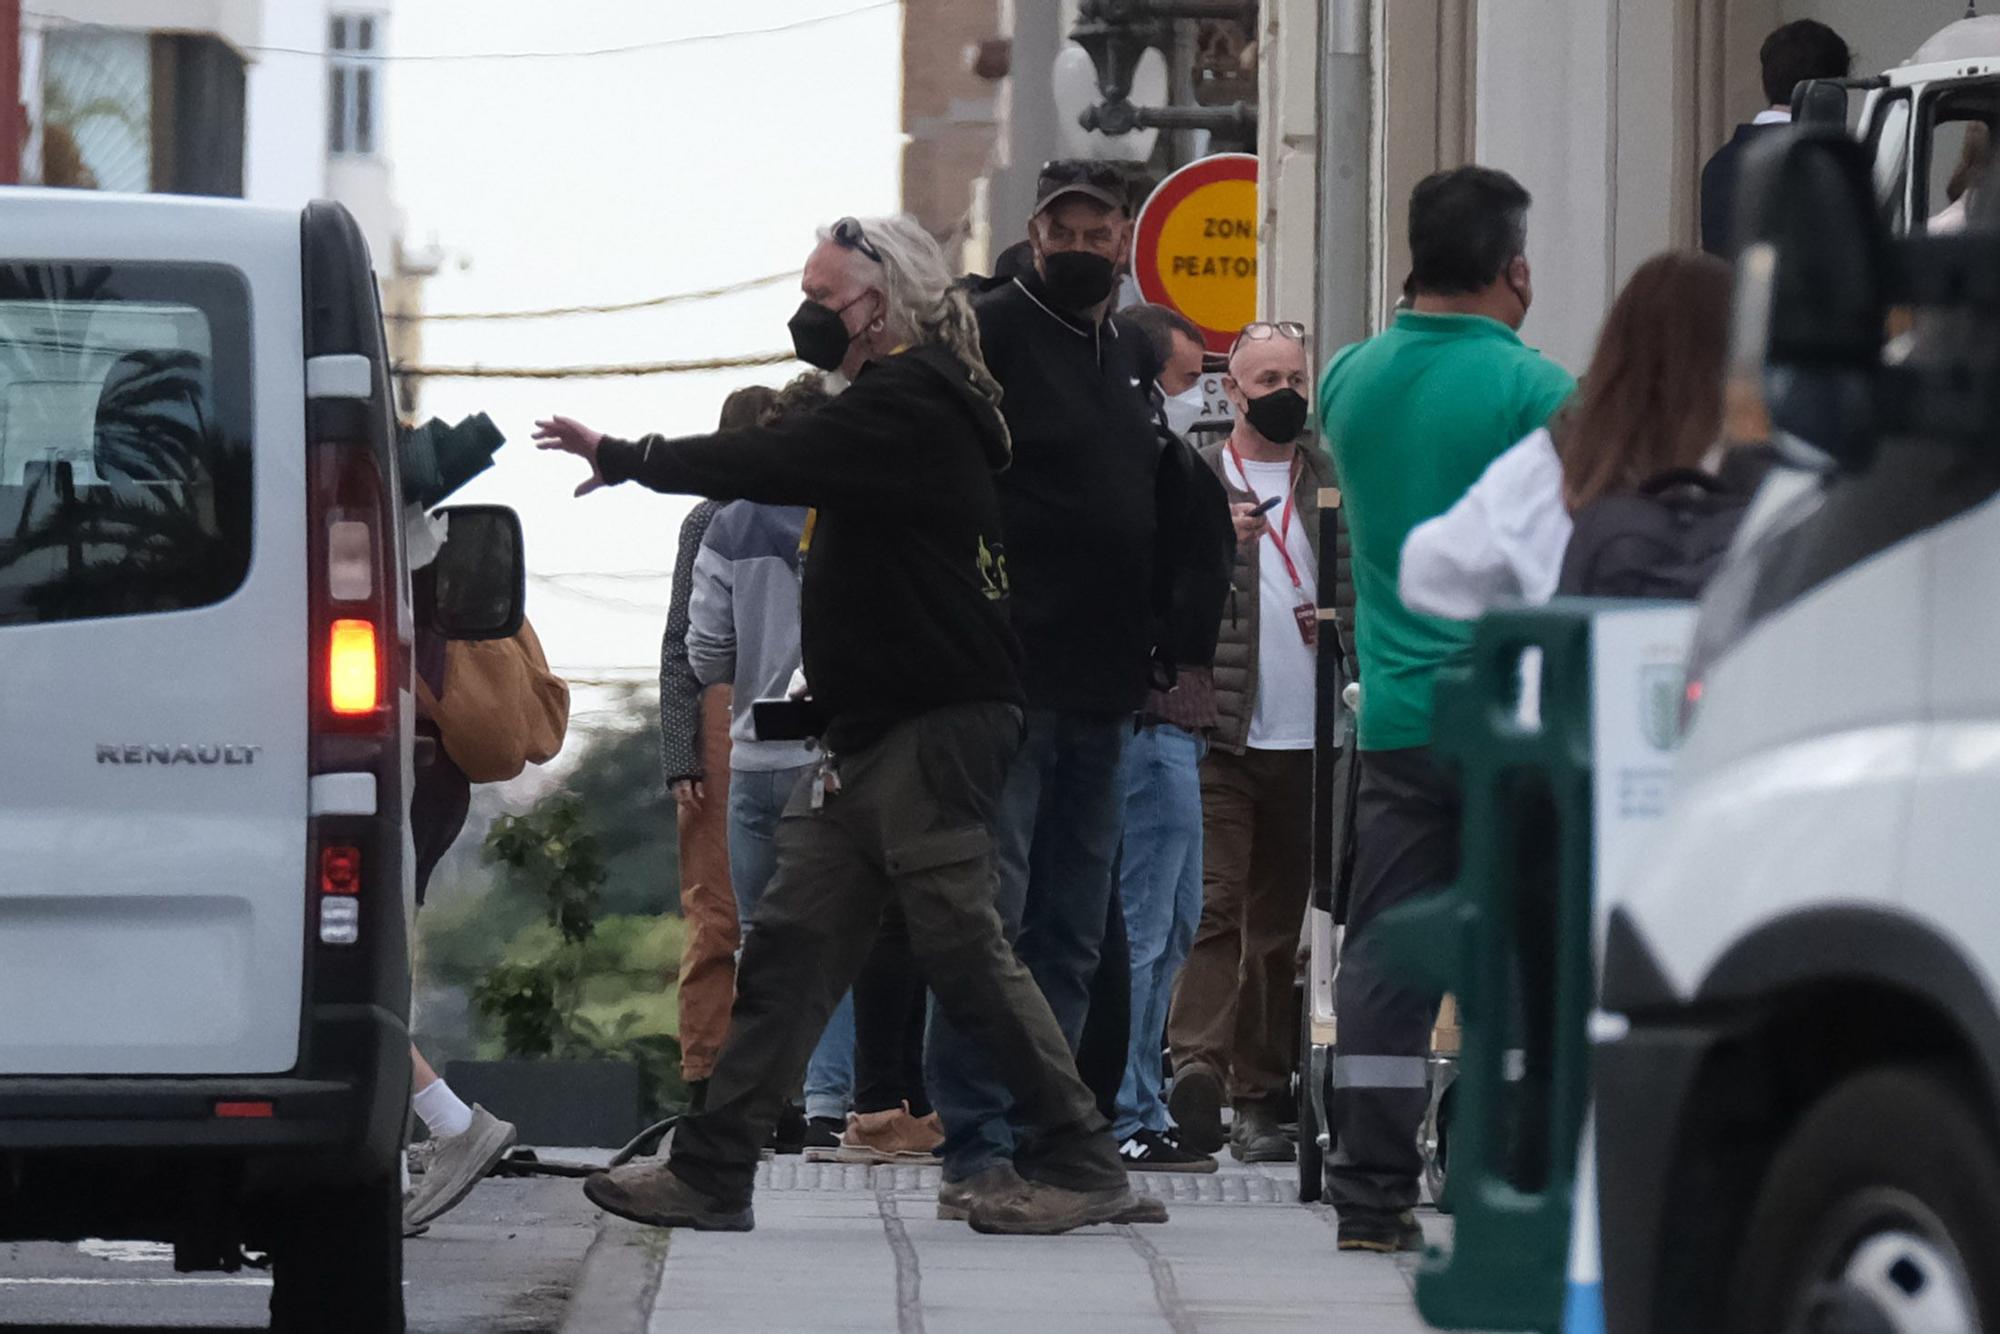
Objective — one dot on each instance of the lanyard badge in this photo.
(1304, 611)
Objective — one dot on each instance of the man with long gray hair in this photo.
(915, 672)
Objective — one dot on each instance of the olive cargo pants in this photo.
(912, 821)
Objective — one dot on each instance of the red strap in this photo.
(1282, 534)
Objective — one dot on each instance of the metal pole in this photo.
(12, 116)
(1346, 112)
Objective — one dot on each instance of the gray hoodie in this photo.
(743, 626)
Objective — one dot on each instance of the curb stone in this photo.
(620, 1277)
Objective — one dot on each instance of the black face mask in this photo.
(1278, 416)
(820, 336)
(1077, 279)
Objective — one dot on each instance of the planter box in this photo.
(571, 1104)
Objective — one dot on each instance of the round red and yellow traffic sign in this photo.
(1195, 247)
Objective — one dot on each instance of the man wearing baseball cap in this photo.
(1079, 510)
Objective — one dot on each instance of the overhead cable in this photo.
(603, 372)
(648, 303)
(444, 57)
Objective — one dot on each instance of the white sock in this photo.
(444, 1113)
(403, 1162)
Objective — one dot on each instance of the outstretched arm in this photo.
(859, 450)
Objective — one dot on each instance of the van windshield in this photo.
(124, 439)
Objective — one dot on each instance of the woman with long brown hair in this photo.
(1651, 403)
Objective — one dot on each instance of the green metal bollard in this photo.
(1511, 938)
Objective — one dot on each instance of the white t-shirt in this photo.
(1283, 716)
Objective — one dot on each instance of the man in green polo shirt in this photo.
(1413, 416)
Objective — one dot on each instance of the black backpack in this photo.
(1665, 541)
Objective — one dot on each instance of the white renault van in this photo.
(1798, 1073)
(206, 742)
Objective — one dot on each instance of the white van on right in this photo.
(1797, 1075)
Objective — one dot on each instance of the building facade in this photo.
(1605, 109)
(950, 113)
(275, 101)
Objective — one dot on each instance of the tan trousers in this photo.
(1232, 1009)
(708, 904)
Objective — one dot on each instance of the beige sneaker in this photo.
(894, 1136)
(458, 1164)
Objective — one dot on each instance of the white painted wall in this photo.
(1288, 160)
(1545, 81)
(284, 157)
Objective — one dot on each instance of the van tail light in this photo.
(339, 894)
(353, 668)
(340, 870)
(350, 554)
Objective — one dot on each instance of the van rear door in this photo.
(153, 646)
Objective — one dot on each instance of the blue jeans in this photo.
(757, 798)
(1160, 886)
(1060, 815)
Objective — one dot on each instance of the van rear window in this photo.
(124, 439)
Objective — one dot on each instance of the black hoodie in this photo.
(903, 607)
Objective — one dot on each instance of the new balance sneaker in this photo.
(1150, 1151)
(1385, 1234)
(822, 1132)
(790, 1134)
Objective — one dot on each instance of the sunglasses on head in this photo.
(1265, 330)
(1081, 171)
(848, 232)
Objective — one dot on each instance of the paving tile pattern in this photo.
(841, 1248)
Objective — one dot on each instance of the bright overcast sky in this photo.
(616, 178)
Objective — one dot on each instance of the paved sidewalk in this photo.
(842, 1248)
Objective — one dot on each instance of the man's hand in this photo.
(689, 794)
(572, 437)
(1250, 525)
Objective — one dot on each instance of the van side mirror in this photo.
(481, 571)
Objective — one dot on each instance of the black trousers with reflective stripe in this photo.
(1407, 827)
(912, 822)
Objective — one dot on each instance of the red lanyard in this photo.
(1280, 535)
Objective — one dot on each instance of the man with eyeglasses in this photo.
(1079, 505)
(1413, 416)
(1229, 1028)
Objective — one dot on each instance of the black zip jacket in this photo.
(1193, 560)
(1079, 499)
(904, 600)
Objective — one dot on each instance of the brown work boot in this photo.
(893, 1136)
(956, 1199)
(1256, 1137)
(649, 1192)
(1039, 1209)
